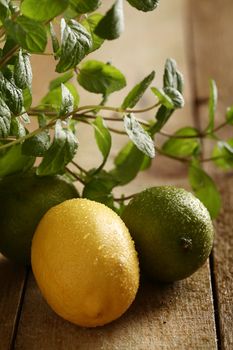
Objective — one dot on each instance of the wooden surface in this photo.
(178, 316)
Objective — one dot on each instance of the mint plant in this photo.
(25, 28)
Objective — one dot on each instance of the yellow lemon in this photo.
(85, 263)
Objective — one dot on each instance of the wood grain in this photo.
(176, 316)
(212, 22)
(11, 287)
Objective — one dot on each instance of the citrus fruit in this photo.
(85, 263)
(172, 230)
(25, 198)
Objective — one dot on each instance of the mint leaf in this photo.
(90, 24)
(229, 115)
(162, 116)
(144, 5)
(55, 42)
(13, 97)
(28, 33)
(27, 97)
(172, 77)
(139, 136)
(43, 10)
(13, 161)
(61, 79)
(23, 71)
(205, 189)
(60, 153)
(128, 164)
(163, 98)
(84, 6)
(185, 147)
(5, 119)
(17, 129)
(100, 78)
(103, 137)
(76, 43)
(175, 96)
(4, 9)
(111, 25)
(212, 105)
(223, 152)
(36, 145)
(67, 101)
(137, 92)
(54, 97)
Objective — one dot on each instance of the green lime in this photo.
(24, 199)
(172, 230)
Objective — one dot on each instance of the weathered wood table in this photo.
(196, 313)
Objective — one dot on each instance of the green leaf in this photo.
(229, 115)
(13, 97)
(185, 147)
(61, 79)
(175, 96)
(102, 136)
(162, 116)
(54, 97)
(139, 136)
(23, 71)
(55, 42)
(12, 161)
(172, 78)
(205, 189)
(5, 119)
(225, 155)
(25, 117)
(17, 128)
(99, 188)
(111, 25)
(27, 98)
(67, 101)
(28, 33)
(163, 98)
(100, 78)
(43, 10)
(144, 5)
(60, 153)
(37, 145)
(84, 6)
(212, 105)
(76, 43)
(90, 24)
(128, 163)
(137, 92)
(4, 9)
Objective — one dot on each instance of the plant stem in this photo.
(162, 153)
(8, 56)
(76, 176)
(200, 135)
(123, 198)
(79, 167)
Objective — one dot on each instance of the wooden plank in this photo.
(178, 316)
(12, 282)
(213, 38)
(223, 264)
(175, 316)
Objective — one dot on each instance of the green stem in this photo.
(124, 198)
(9, 55)
(75, 176)
(79, 167)
(200, 135)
